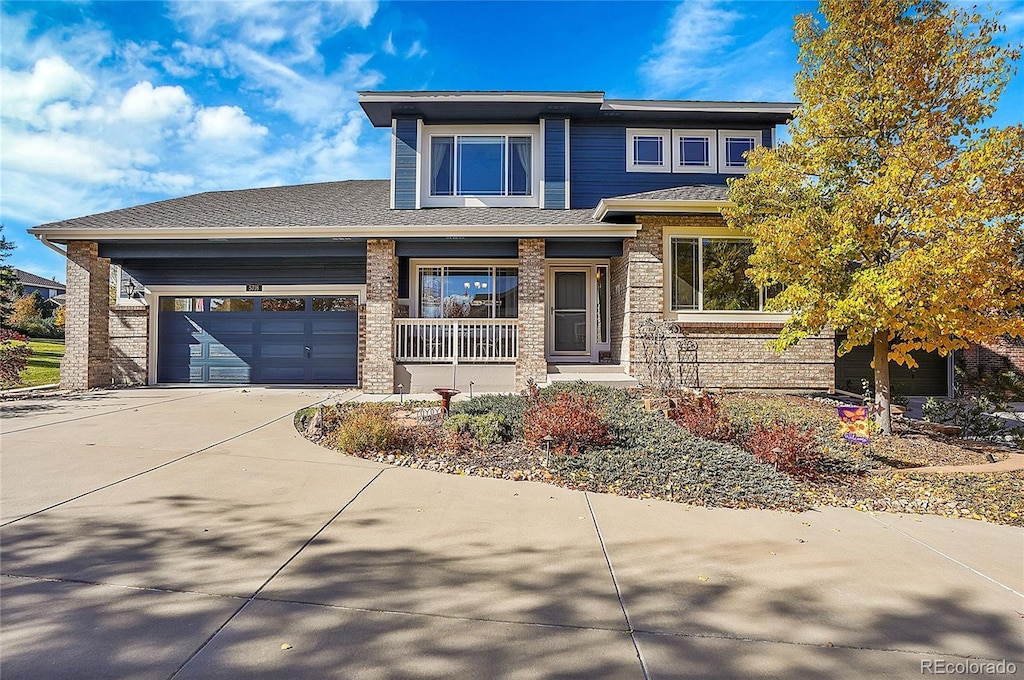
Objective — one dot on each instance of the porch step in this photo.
(610, 375)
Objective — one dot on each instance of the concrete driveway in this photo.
(191, 533)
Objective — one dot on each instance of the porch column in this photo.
(381, 291)
(638, 282)
(86, 361)
(531, 362)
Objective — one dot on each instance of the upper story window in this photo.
(683, 150)
(480, 165)
(694, 151)
(647, 150)
(732, 144)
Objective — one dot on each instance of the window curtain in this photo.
(441, 159)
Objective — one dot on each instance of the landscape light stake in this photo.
(547, 449)
(401, 392)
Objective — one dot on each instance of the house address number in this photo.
(253, 287)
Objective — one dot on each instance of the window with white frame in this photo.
(481, 165)
(470, 291)
(648, 150)
(694, 151)
(709, 274)
(732, 145)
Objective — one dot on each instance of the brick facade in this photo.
(731, 355)
(86, 361)
(995, 356)
(531, 362)
(378, 370)
(129, 345)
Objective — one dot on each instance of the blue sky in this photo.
(107, 105)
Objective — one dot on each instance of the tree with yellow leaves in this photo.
(892, 214)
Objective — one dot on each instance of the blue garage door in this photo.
(283, 339)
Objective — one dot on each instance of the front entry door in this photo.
(570, 312)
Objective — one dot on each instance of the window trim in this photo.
(723, 139)
(701, 315)
(427, 132)
(666, 140)
(677, 158)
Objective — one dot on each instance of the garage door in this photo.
(929, 379)
(285, 339)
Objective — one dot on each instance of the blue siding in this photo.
(283, 270)
(597, 156)
(559, 248)
(405, 163)
(554, 163)
(153, 249)
(432, 247)
(766, 138)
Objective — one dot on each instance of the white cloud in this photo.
(226, 123)
(51, 79)
(389, 45)
(144, 103)
(706, 54)
(416, 50)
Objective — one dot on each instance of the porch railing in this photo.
(455, 341)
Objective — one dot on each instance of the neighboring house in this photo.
(520, 233)
(30, 283)
(50, 290)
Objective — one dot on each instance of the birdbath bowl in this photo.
(446, 397)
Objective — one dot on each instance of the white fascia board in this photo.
(346, 232)
(659, 206)
(482, 96)
(641, 105)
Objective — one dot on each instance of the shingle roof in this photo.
(349, 203)
(696, 192)
(30, 279)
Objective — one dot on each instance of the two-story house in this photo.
(519, 231)
(51, 290)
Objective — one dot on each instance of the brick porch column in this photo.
(642, 281)
(532, 313)
(381, 291)
(86, 361)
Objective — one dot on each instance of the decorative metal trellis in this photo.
(669, 358)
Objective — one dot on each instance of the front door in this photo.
(569, 323)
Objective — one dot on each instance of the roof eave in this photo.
(639, 206)
(59, 235)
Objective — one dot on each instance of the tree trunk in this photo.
(883, 413)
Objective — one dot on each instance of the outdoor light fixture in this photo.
(131, 289)
(547, 449)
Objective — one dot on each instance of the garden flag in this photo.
(854, 424)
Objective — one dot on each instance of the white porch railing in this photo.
(455, 341)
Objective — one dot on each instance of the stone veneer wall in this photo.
(730, 354)
(129, 345)
(378, 370)
(531, 362)
(86, 361)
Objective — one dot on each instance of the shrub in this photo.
(703, 417)
(364, 427)
(14, 355)
(572, 419)
(787, 447)
(974, 415)
(509, 407)
(486, 428)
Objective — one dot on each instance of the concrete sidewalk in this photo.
(191, 533)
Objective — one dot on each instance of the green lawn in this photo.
(44, 364)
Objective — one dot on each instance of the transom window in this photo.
(709, 274)
(482, 292)
(481, 165)
(648, 150)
